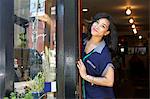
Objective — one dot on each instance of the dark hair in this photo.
(111, 39)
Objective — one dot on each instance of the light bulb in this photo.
(85, 10)
(131, 20)
(128, 11)
(140, 37)
(122, 49)
(134, 31)
(133, 26)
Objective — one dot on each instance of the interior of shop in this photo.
(131, 18)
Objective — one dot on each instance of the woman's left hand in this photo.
(82, 69)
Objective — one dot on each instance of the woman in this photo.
(96, 67)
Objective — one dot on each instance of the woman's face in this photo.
(100, 27)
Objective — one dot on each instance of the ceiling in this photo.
(140, 13)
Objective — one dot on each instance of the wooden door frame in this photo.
(67, 48)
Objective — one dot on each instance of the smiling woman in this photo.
(96, 67)
(100, 27)
(105, 24)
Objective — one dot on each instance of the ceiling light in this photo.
(85, 10)
(122, 49)
(140, 37)
(128, 11)
(134, 31)
(133, 26)
(119, 44)
(131, 20)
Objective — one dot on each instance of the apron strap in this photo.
(83, 82)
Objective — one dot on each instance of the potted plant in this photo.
(34, 90)
(38, 85)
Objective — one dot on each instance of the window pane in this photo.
(35, 46)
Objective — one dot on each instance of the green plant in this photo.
(6, 98)
(13, 95)
(37, 86)
(23, 39)
(38, 82)
(28, 96)
(16, 95)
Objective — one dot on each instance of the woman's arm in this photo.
(106, 80)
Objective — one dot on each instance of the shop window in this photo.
(35, 48)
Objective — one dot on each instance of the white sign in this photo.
(37, 8)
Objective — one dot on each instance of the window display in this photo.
(35, 48)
